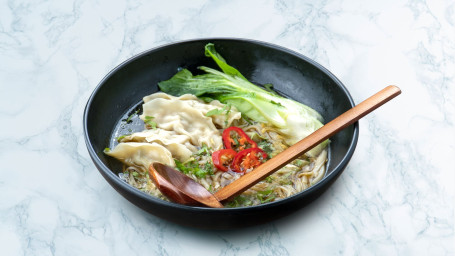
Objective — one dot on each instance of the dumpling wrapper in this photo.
(141, 154)
(185, 115)
(179, 145)
(221, 120)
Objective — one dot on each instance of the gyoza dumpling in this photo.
(182, 117)
(221, 120)
(141, 154)
(179, 145)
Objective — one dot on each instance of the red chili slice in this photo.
(235, 138)
(222, 159)
(248, 159)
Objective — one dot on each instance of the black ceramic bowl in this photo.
(120, 93)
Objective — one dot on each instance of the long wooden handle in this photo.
(347, 118)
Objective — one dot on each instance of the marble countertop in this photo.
(396, 197)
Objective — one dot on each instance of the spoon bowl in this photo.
(180, 188)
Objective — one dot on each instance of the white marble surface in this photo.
(395, 198)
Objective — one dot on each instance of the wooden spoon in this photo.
(182, 189)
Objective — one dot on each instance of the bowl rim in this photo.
(106, 172)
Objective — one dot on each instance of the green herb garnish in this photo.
(239, 201)
(205, 150)
(247, 119)
(206, 169)
(300, 162)
(266, 146)
(119, 138)
(130, 117)
(269, 179)
(192, 167)
(265, 196)
(148, 121)
(286, 179)
(218, 111)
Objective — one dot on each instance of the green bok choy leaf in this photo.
(293, 119)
